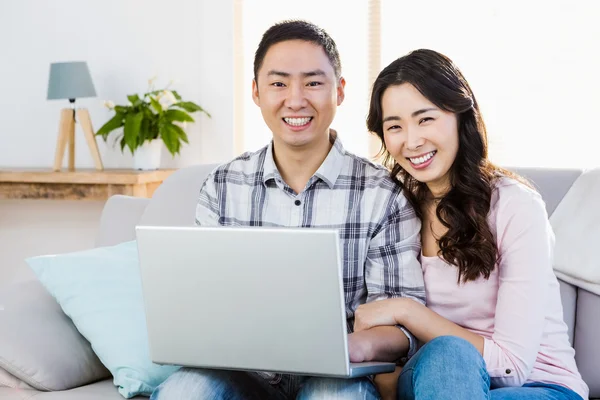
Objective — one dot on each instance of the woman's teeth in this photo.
(422, 159)
(297, 121)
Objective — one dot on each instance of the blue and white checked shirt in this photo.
(379, 230)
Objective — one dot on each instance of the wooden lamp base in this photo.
(66, 134)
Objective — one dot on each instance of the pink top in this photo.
(518, 309)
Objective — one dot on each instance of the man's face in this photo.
(298, 94)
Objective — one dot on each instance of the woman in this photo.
(493, 326)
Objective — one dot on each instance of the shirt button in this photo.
(508, 371)
(297, 202)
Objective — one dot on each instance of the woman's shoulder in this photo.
(511, 195)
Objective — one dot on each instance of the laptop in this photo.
(247, 298)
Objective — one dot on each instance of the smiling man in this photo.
(305, 178)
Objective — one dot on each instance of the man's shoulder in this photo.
(247, 163)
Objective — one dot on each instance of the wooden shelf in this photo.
(82, 184)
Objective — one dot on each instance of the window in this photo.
(534, 67)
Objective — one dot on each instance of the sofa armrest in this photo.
(119, 217)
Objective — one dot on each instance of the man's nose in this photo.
(296, 98)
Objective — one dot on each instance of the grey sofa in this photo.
(174, 202)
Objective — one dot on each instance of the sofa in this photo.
(174, 203)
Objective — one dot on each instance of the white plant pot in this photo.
(147, 156)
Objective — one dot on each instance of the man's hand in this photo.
(359, 347)
(382, 343)
(387, 384)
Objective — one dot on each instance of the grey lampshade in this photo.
(70, 80)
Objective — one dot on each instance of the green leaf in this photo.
(169, 136)
(178, 115)
(122, 109)
(133, 98)
(148, 113)
(145, 130)
(123, 144)
(112, 124)
(177, 96)
(131, 131)
(156, 105)
(190, 107)
(180, 132)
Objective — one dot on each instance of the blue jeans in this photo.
(200, 384)
(450, 368)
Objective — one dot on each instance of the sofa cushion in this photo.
(11, 381)
(576, 224)
(104, 390)
(39, 344)
(100, 289)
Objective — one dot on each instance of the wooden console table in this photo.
(80, 184)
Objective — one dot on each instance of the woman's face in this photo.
(421, 137)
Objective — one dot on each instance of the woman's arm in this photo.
(418, 319)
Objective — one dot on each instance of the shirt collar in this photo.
(329, 170)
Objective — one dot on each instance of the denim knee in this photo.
(192, 384)
(447, 367)
(453, 345)
(451, 351)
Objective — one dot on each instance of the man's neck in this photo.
(298, 165)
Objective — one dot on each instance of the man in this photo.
(305, 178)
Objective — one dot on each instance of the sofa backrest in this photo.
(552, 184)
(174, 201)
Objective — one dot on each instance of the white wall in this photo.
(125, 42)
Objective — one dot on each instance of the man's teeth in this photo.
(422, 159)
(298, 121)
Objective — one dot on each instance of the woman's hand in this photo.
(379, 313)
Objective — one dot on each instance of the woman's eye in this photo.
(426, 119)
(394, 127)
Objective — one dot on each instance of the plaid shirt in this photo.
(379, 230)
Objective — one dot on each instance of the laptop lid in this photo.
(245, 298)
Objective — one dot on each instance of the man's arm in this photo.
(208, 206)
(393, 270)
(381, 343)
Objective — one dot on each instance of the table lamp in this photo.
(72, 80)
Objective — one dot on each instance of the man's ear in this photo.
(341, 94)
(255, 92)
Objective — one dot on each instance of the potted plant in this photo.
(157, 114)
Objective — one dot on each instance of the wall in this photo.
(125, 42)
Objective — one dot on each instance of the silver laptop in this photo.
(241, 298)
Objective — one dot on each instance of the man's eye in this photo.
(277, 84)
(426, 119)
(314, 84)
